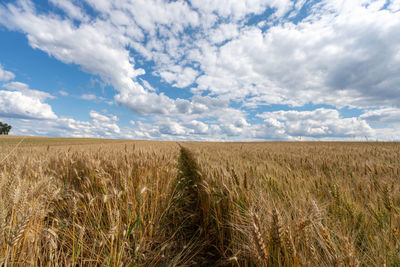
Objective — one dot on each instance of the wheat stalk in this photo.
(276, 229)
(262, 254)
(289, 244)
(18, 231)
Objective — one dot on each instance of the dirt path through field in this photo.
(190, 217)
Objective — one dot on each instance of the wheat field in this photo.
(93, 202)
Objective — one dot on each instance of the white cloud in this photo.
(149, 14)
(171, 128)
(88, 96)
(5, 75)
(317, 123)
(102, 118)
(223, 33)
(384, 115)
(24, 88)
(343, 53)
(147, 85)
(16, 104)
(100, 125)
(179, 77)
(238, 9)
(98, 47)
(197, 127)
(106, 123)
(394, 5)
(340, 56)
(19, 101)
(145, 103)
(96, 99)
(16, 86)
(63, 93)
(346, 49)
(386, 121)
(73, 11)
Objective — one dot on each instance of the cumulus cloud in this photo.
(97, 46)
(19, 101)
(232, 57)
(24, 88)
(386, 121)
(15, 104)
(100, 125)
(343, 54)
(196, 127)
(325, 124)
(179, 77)
(223, 33)
(173, 129)
(317, 123)
(108, 124)
(100, 45)
(383, 115)
(238, 9)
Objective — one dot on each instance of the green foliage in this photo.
(5, 128)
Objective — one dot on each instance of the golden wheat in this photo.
(120, 203)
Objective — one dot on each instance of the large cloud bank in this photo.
(234, 57)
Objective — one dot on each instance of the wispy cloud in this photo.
(88, 97)
(5, 75)
(63, 93)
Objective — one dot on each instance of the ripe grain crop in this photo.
(326, 204)
(84, 204)
(90, 202)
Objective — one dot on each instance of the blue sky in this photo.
(201, 69)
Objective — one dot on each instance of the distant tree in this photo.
(8, 129)
(5, 128)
